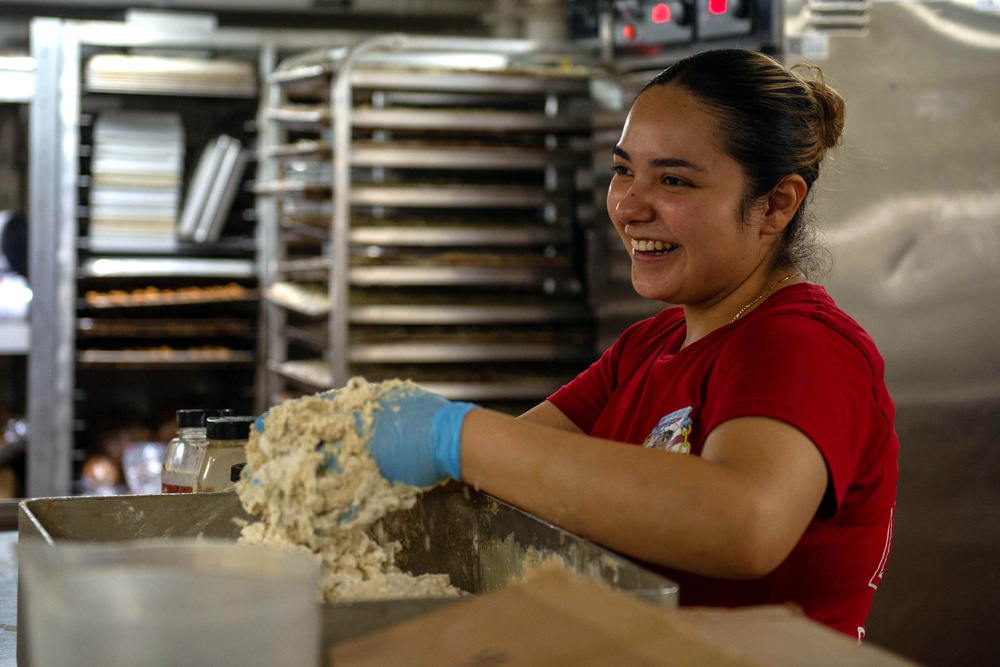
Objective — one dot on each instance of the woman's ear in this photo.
(783, 202)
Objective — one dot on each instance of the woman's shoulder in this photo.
(806, 311)
(813, 302)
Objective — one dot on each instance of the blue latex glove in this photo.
(416, 436)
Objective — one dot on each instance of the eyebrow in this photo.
(675, 162)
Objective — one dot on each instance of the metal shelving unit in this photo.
(65, 262)
(87, 72)
(425, 218)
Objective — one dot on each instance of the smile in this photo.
(651, 247)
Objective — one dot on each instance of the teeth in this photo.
(651, 246)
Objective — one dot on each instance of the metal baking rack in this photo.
(432, 188)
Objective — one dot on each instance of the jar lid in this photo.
(196, 418)
(229, 427)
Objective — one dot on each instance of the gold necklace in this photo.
(762, 295)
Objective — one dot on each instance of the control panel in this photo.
(641, 22)
(643, 25)
(723, 18)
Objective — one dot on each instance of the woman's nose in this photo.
(632, 205)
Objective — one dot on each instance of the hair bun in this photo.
(830, 108)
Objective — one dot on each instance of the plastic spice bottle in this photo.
(227, 439)
(182, 460)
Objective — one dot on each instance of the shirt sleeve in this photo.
(583, 398)
(804, 373)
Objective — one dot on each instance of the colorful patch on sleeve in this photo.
(671, 433)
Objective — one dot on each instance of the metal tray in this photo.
(482, 543)
(431, 155)
(313, 375)
(539, 80)
(156, 358)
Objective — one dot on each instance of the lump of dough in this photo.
(305, 503)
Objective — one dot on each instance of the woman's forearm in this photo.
(675, 510)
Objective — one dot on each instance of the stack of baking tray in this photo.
(170, 74)
(190, 326)
(136, 170)
(212, 190)
(426, 224)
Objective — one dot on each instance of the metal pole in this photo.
(52, 247)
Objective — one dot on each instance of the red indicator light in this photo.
(660, 13)
(628, 32)
(718, 6)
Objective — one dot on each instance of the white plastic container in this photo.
(183, 602)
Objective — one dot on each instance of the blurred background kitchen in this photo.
(164, 206)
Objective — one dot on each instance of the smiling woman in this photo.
(724, 147)
(742, 440)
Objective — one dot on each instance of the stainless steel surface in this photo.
(535, 390)
(461, 275)
(315, 268)
(494, 196)
(473, 314)
(8, 596)
(454, 352)
(441, 196)
(913, 216)
(513, 82)
(493, 237)
(912, 197)
(159, 358)
(341, 106)
(271, 318)
(116, 267)
(482, 544)
(452, 157)
(52, 239)
(430, 119)
(119, 518)
(314, 375)
(416, 119)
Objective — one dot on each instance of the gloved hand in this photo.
(416, 436)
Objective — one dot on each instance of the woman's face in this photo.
(675, 199)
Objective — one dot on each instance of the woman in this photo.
(767, 471)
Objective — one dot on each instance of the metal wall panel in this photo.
(913, 197)
(911, 203)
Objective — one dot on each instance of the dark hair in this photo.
(774, 122)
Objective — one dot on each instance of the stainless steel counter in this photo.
(481, 543)
(8, 597)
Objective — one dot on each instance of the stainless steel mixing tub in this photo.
(480, 542)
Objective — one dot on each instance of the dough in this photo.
(304, 504)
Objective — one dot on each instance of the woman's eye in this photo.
(673, 180)
(619, 170)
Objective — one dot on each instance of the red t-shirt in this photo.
(798, 358)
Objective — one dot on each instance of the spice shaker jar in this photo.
(227, 439)
(182, 460)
